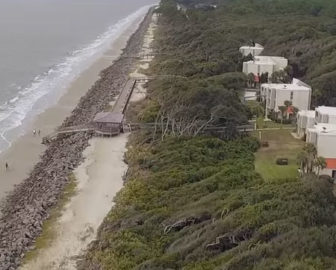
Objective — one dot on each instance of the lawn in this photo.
(281, 145)
(261, 123)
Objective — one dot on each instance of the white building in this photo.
(275, 95)
(305, 120)
(263, 64)
(182, 8)
(325, 114)
(323, 136)
(253, 50)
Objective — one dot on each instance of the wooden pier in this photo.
(105, 123)
(124, 97)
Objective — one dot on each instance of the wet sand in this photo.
(30, 203)
(26, 150)
(99, 178)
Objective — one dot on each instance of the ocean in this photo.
(45, 45)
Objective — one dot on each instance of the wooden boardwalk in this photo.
(142, 79)
(143, 56)
(124, 97)
(67, 131)
(250, 127)
(119, 107)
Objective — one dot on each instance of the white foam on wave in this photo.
(52, 84)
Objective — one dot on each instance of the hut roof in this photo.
(108, 117)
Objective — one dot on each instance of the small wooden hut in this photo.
(108, 123)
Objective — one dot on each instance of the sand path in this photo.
(99, 179)
(140, 90)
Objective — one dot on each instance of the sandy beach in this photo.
(99, 178)
(29, 204)
(26, 151)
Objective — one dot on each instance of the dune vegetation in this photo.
(193, 200)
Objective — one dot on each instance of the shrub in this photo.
(265, 144)
(282, 161)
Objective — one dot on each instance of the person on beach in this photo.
(6, 166)
(34, 132)
(39, 132)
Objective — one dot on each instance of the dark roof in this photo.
(108, 117)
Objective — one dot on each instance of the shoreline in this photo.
(28, 206)
(25, 152)
(97, 179)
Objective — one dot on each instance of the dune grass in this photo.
(49, 229)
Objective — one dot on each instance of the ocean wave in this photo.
(51, 85)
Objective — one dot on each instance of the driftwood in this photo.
(179, 225)
(229, 241)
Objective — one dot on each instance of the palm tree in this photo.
(288, 103)
(320, 164)
(311, 151)
(303, 161)
(250, 79)
(309, 161)
(282, 109)
(280, 76)
(295, 112)
(290, 72)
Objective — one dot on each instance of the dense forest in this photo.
(195, 201)
(301, 30)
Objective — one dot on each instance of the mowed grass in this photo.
(261, 123)
(281, 145)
